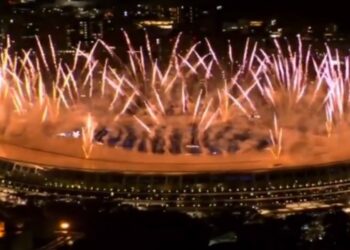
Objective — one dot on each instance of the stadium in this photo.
(194, 135)
(207, 191)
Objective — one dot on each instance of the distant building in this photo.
(330, 30)
(15, 2)
(2, 34)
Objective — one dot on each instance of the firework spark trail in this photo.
(276, 138)
(230, 56)
(170, 84)
(192, 68)
(206, 110)
(44, 114)
(18, 83)
(347, 68)
(117, 93)
(142, 124)
(252, 56)
(165, 77)
(238, 104)
(245, 94)
(125, 107)
(134, 59)
(257, 81)
(149, 49)
(108, 48)
(62, 98)
(213, 54)
(329, 119)
(66, 84)
(226, 100)
(76, 57)
(208, 72)
(245, 54)
(211, 119)
(89, 57)
(151, 113)
(224, 104)
(143, 65)
(159, 101)
(17, 102)
(196, 109)
(88, 132)
(172, 58)
(115, 98)
(307, 61)
(104, 76)
(154, 75)
(201, 62)
(183, 97)
(41, 91)
(53, 52)
(70, 77)
(321, 77)
(42, 53)
(24, 61)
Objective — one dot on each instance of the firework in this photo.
(260, 99)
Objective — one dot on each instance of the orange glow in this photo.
(64, 225)
(2, 229)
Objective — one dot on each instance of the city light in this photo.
(160, 24)
(64, 225)
(256, 23)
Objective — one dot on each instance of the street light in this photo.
(64, 225)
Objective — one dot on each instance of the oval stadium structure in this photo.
(32, 174)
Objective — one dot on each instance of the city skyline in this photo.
(295, 13)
